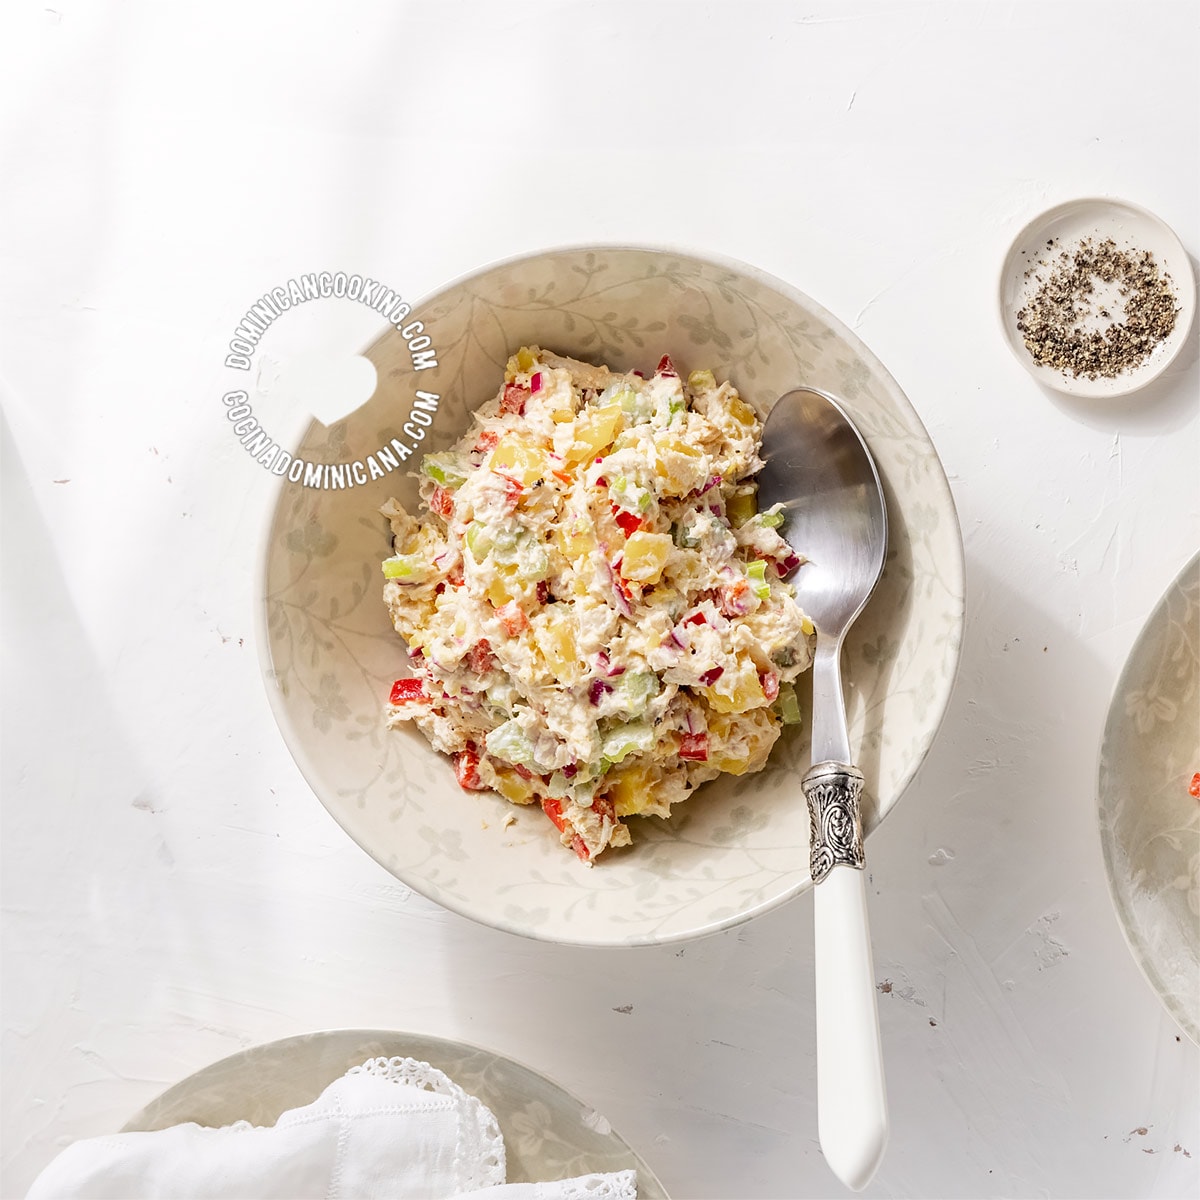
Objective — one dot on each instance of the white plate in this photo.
(1149, 824)
(1130, 227)
(548, 1134)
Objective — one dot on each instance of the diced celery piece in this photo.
(517, 547)
(511, 743)
(756, 572)
(445, 469)
(633, 738)
(635, 690)
(637, 407)
(772, 518)
(629, 496)
(479, 540)
(534, 562)
(787, 705)
(409, 567)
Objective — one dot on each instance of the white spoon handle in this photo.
(851, 1103)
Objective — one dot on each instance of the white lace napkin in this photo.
(391, 1128)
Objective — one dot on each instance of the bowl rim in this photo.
(296, 746)
(1055, 380)
(1111, 848)
(442, 1044)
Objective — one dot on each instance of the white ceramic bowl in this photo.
(1149, 822)
(740, 846)
(1096, 217)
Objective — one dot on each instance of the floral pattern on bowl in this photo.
(738, 847)
(1149, 822)
(548, 1134)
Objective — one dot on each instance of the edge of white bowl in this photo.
(1052, 379)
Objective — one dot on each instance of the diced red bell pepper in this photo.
(552, 807)
(514, 398)
(512, 490)
(694, 746)
(455, 577)
(605, 808)
(711, 676)
(480, 658)
(735, 599)
(489, 439)
(405, 691)
(523, 771)
(442, 501)
(1194, 786)
(667, 367)
(696, 619)
(466, 769)
(769, 683)
(512, 618)
(621, 582)
(543, 591)
(629, 522)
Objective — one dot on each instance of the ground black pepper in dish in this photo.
(1063, 322)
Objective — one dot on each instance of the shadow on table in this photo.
(702, 1055)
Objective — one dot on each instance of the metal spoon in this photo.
(819, 468)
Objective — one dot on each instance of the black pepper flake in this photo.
(1052, 322)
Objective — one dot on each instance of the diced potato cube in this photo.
(682, 466)
(742, 412)
(575, 538)
(731, 766)
(738, 690)
(504, 587)
(513, 788)
(645, 556)
(554, 632)
(594, 431)
(523, 462)
(631, 789)
(746, 740)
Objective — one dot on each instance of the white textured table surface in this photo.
(173, 892)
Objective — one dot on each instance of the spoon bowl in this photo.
(818, 467)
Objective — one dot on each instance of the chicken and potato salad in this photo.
(595, 610)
